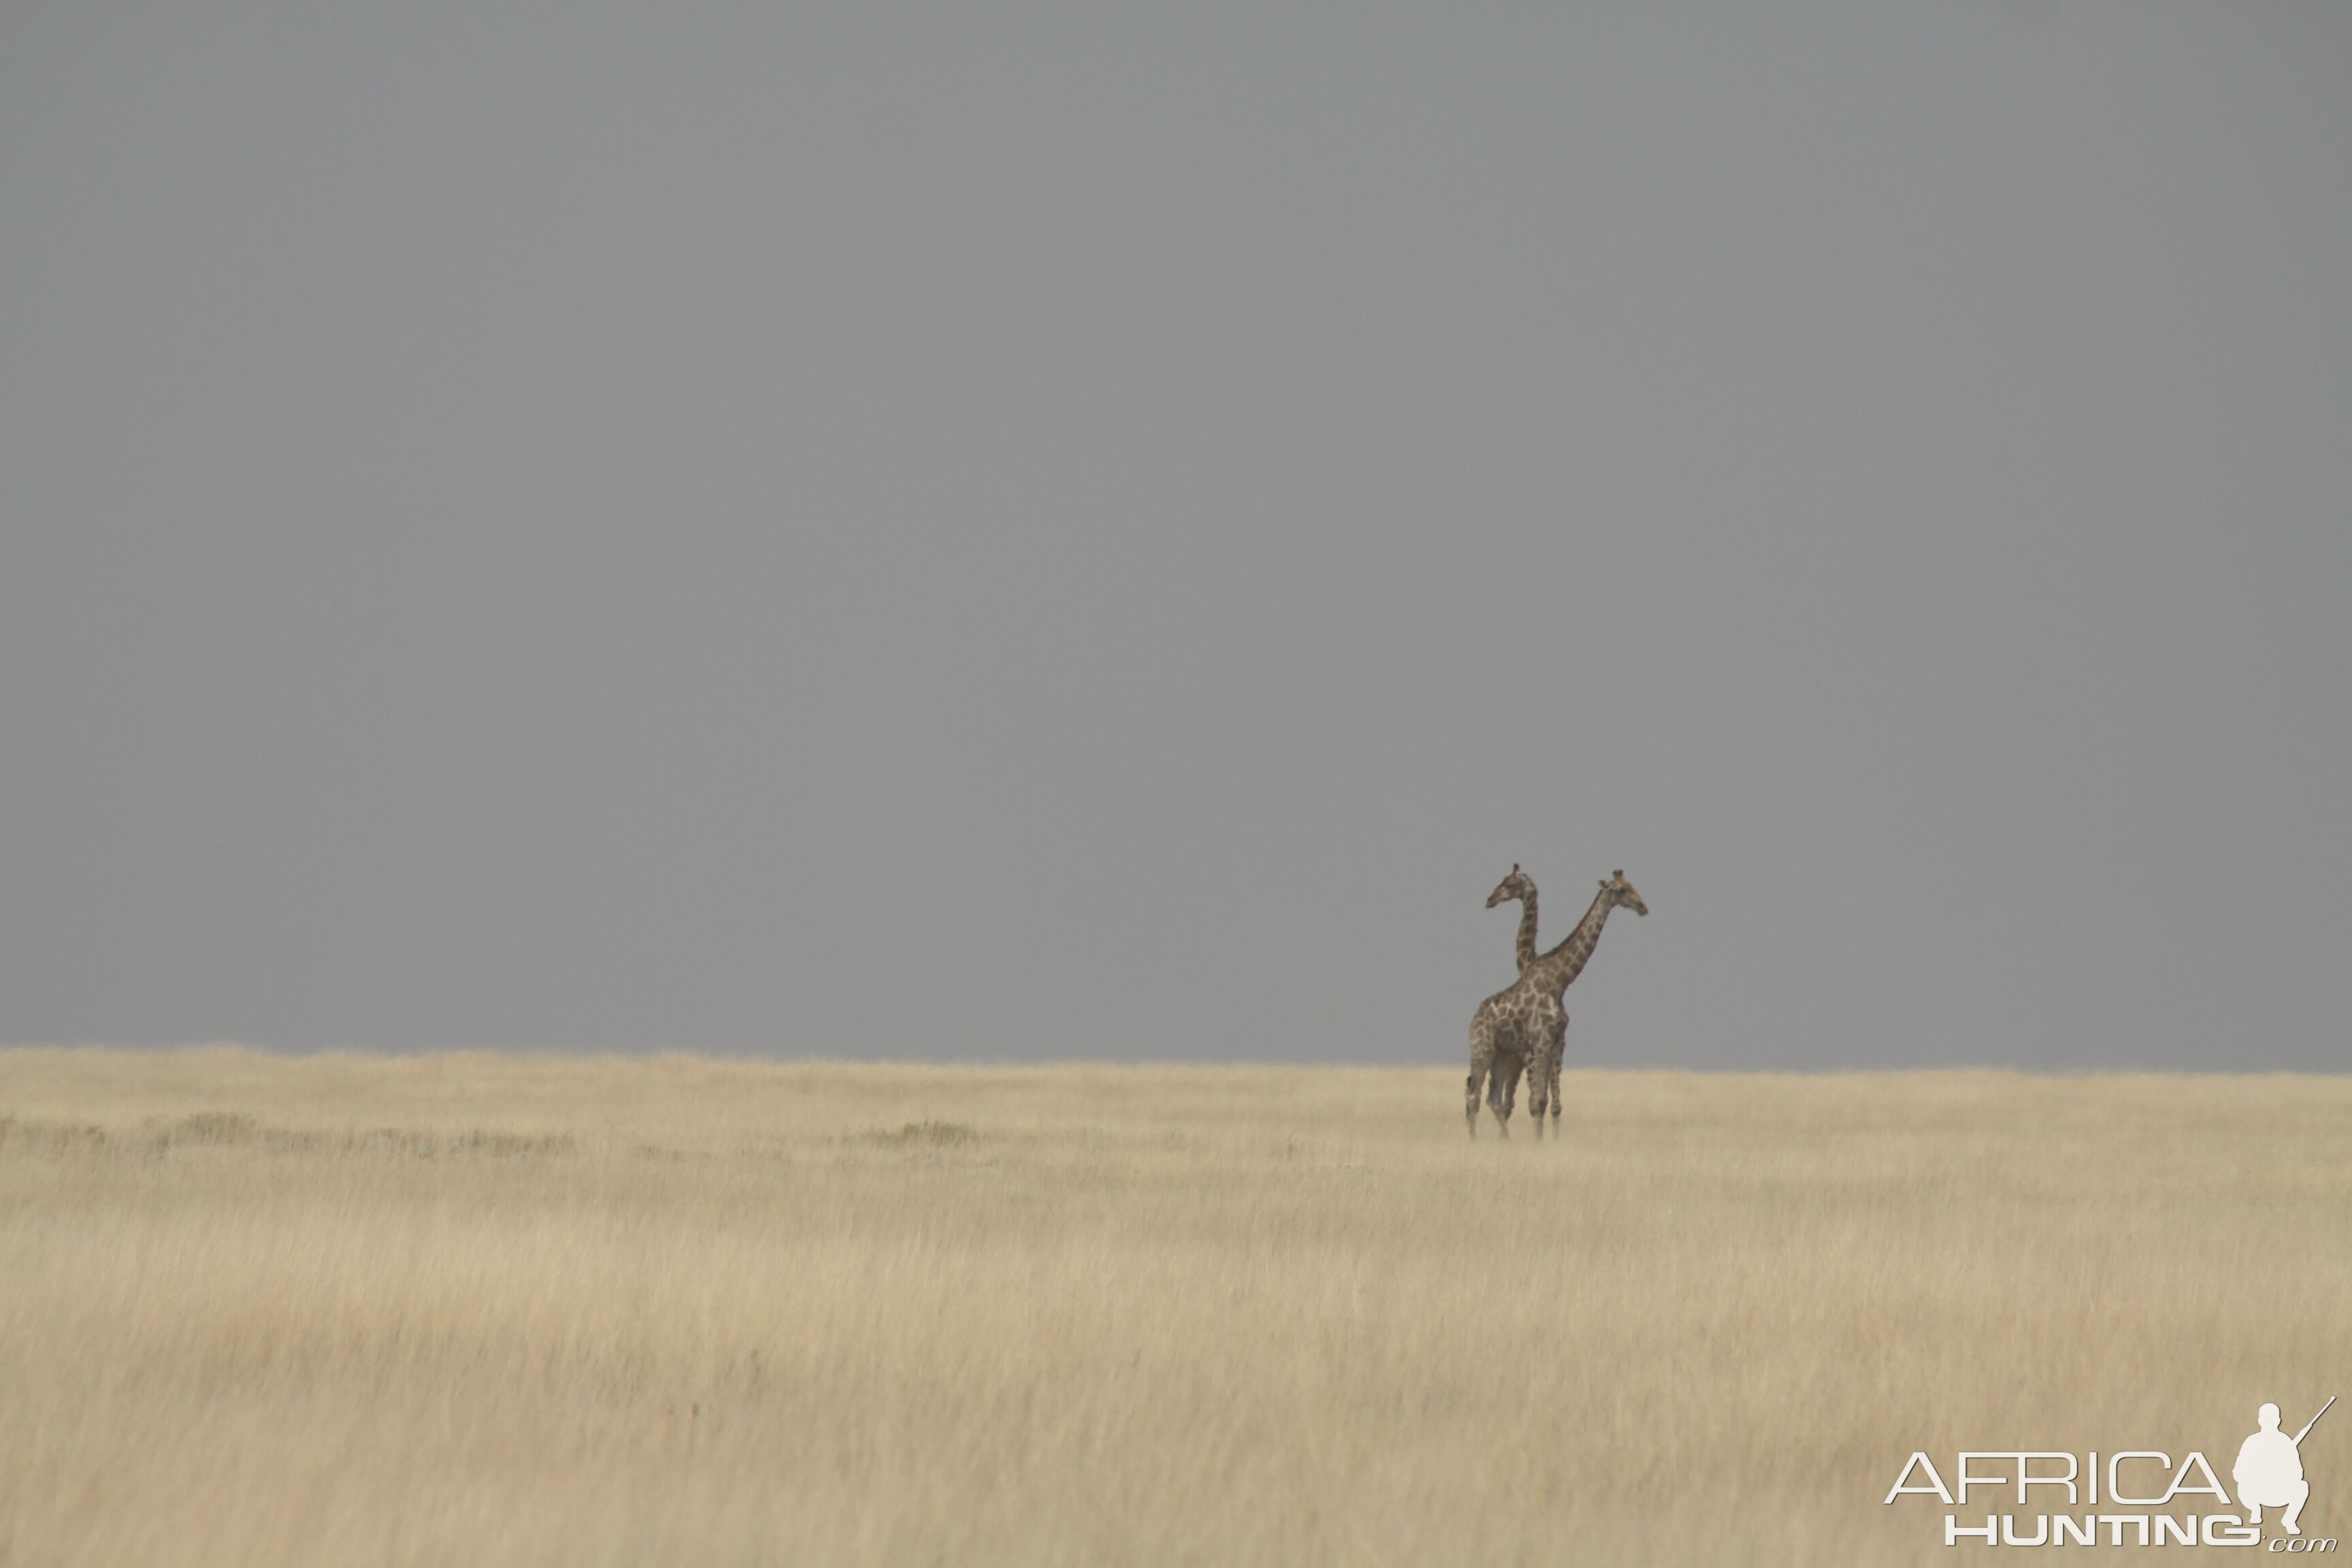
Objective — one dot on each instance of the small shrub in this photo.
(49, 1137)
(395, 1141)
(936, 1133)
(210, 1126)
(510, 1145)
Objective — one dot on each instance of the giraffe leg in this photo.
(1505, 1079)
(1559, 1056)
(1482, 1062)
(1538, 1091)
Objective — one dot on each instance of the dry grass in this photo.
(474, 1309)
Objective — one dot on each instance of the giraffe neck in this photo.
(1566, 962)
(1527, 928)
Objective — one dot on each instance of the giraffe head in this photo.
(1515, 886)
(1621, 892)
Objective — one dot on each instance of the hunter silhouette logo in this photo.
(2269, 1471)
(2268, 1474)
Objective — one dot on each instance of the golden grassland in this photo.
(475, 1309)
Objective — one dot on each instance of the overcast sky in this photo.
(1103, 530)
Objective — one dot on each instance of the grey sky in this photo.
(1104, 531)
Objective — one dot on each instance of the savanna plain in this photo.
(501, 1310)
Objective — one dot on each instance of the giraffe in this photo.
(1572, 954)
(1505, 1058)
(1508, 1067)
(1524, 1029)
